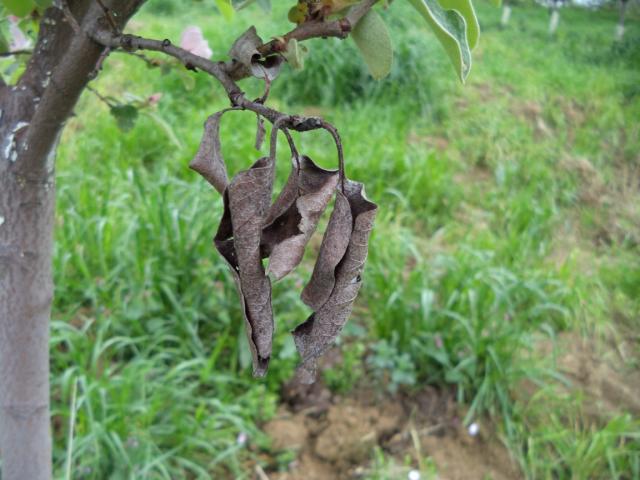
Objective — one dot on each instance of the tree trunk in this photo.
(26, 290)
(32, 115)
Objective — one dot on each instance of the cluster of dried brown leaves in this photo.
(252, 229)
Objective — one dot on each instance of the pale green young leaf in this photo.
(451, 30)
(226, 8)
(372, 39)
(465, 8)
(125, 115)
(294, 54)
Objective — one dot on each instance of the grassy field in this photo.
(504, 266)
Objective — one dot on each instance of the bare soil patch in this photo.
(335, 437)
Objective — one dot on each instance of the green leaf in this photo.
(226, 8)
(372, 39)
(451, 30)
(125, 116)
(4, 44)
(42, 5)
(19, 8)
(465, 8)
(295, 53)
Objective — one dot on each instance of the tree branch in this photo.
(56, 74)
(227, 72)
(131, 43)
(338, 28)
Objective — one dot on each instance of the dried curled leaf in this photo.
(245, 51)
(332, 250)
(246, 203)
(208, 161)
(295, 214)
(315, 336)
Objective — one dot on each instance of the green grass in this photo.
(487, 242)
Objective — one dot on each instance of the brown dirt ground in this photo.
(335, 437)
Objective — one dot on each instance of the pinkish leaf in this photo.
(193, 41)
(154, 98)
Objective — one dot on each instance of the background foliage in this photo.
(509, 222)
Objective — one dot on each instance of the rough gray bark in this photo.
(26, 290)
(32, 115)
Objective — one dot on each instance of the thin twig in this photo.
(336, 137)
(103, 56)
(131, 43)
(15, 52)
(101, 97)
(107, 14)
(227, 72)
(337, 28)
(267, 86)
(149, 61)
(292, 147)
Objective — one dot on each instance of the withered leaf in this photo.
(245, 51)
(208, 161)
(332, 249)
(315, 336)
(295, 214)
(246, 203)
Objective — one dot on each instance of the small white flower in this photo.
(242, 438)
(193, 41)
(413, 475)
(474, 429)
